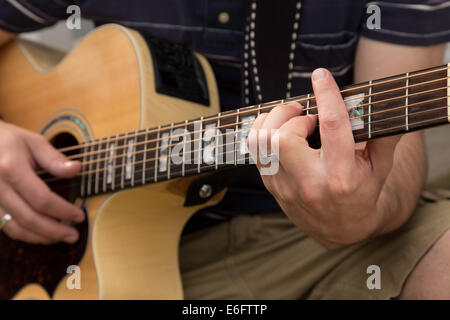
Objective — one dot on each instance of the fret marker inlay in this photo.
(355, 110)
(129, 159)
(163, 152)
(110, 163)
(209, 143)
(247, 123)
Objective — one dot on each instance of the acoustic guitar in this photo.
(119, 104)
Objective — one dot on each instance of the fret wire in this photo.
(419, 122)
(352, 88)
(406, 102)
(376, 121)
(390, 99)
(259, 109)
(402, 126)
(417, 93)
(144, 170)
(379, 112)
(201, 143)
(247, 157)
(369, 118)
(156, 154)
(440, 98)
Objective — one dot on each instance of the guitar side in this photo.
(106, 87)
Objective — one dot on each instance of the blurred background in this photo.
(437, 139)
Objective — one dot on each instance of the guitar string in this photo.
(248, 109)
(256, 108)
(145, 142)
(193, 152)
(143, 152)
(125, 138)
(122, 165)
(194, 170)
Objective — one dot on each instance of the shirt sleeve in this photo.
(28, 15)
(410, 22)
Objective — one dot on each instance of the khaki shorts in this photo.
(266, 257)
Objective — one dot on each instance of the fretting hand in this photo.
(334, 194)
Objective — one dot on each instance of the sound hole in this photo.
(66, 188)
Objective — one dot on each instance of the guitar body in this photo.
(129, 243)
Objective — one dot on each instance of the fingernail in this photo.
(72, 238)
(319, 74)
(68, 164)
(79, 218)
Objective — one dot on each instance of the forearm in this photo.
(401, 190)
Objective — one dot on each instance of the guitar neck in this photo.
(389, 106)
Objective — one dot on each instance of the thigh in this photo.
(267, 257)
(254, 257)
(396, 254)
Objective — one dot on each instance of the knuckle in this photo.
(277, 109)
(8, 167)
(284, 140)
(312, 196)
(43, 201)
(331, 122)
(340, 186)
(289, 197)
(28, 220)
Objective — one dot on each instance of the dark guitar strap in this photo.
(269, 49)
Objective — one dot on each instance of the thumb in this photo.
(381, 154)
(49, 159)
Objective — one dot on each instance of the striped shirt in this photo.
(327, 37)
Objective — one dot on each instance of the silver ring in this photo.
(4, 220)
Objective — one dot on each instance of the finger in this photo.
(274, 120)
(280, 114)
(252, 138)
(33, 221)
(381, 154)
(35, 192)
(259, 121)
(49, 159)
(294, 150)
(338, 145)
(16, 232)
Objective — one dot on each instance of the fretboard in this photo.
(378, 108)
